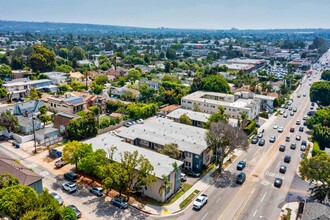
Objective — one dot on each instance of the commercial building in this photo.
(156, 132)
(209, 102)
(163, 165)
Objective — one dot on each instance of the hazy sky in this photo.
(208, 14)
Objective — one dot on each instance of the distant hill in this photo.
(75, 28)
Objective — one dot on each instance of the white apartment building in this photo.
(209, 102)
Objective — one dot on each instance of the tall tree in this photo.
(34, 94)
(320, 92)
(9, 121)
(223, 139)
(216, 83)
(218, 116)
(42, 59)
(170, 150)
(7, 180)
(5, 71)
(75, 151)
(317, 169)
(184, 119)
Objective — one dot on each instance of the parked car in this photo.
(272, 139)
(128, 124)
(120, 202)
(275, 126)
(69, 187)
(76, 210)
(193, 174)
(290, 108)
(304, 143)
(282, 169)
(301, 129)
(298, 138)
(292, 130)
(260, 135)
(72, 176)
(96, 190)
(254, 139)
(60, 163)
(294, 110)
(298, 122)
(262, 142)
(140, 121)
(293, 146)
(303, 147)
(278, 182)
(287, 139)
(292, 113)
(200, 201)
(287, 159)
(241, 165)
(285, 115)
(240, 179)
(280, 129)
(183, 177)
(57, 197)
(282, 148)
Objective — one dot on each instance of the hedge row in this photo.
(250, 127)
(317, 150)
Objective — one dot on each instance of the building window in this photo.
(188, 154)
(196, 156)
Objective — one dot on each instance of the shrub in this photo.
(250, 127)
(263, 114)
(317, 150)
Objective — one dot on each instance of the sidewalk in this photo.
(294, 209)
(200, 185)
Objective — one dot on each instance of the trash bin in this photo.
(59, 153)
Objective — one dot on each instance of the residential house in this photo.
(58, 78)
(26, 126)
(151, 83)
(156, 132)
(77, 76)
(167, 109)
(26, 176)
(316, 211)
(18, 74)
(27, 108)
(61, 120)
(119, 91)
(70, 105)
(163, 165)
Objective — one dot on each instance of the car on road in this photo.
(57, 197)
(298, 96)
(193, 174)
(305, 123)
(260, 135)
(275, 126)
(292, 130)
(287, 159)
(293, 146)
(298, 138)
(280, 129)
(282, 169)
(285, 115)
(292, 113)
(70, 187)
(240, 179)
(304, 143)
(120, 202)
(241, 165)
(262, 142)
(76, 210)
(287, 139)
(272, 139)
(200, 201)
(290, 108)
(286, 106)
(278, 182)
(282, 148)
(301, 129)
(183, 177)
(298, 122)
(140, 121)
(305, 117)
(71, 176)
(254, 139)
(310, 113)
(304, 94)
(60, 163)
(282, 112)
(96, 190)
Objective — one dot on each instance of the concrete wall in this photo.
(22, 139)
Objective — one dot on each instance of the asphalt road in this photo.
(257, 198)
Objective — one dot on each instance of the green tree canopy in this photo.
(83, 127)
(64, 68)
(5, 71)
(326, 75)
(170, 150)
(320, 92)
(77, 53)
(171, 54)
(184, 119)
(101, 79)
(9, 121)
(215, 83)
(74, 151)
(316, 169)
(42, 59)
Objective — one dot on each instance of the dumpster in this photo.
(17, 145)
(59, 153)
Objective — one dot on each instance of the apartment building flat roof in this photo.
(165, 131)
(162, 164)
(193, 115)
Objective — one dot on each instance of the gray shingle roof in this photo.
(162, 164)
(165, 131)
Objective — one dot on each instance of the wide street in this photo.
(257, 198)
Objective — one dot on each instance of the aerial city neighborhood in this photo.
(151, 123)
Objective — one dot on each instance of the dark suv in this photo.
(71, 176)
(287, 159)
(240, 178)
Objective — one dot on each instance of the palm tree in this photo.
(165, 186)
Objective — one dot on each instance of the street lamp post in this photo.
(34, 135)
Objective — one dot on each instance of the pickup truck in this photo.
(60, 163)
(200, 202)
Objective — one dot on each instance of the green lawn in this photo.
(188, 199)
(185, 188)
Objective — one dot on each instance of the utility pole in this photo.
(34, 135)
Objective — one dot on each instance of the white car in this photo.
(69, 187)
(140, 121)
(275, 126)
(200, 201)
(280, 129)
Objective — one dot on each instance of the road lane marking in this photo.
(279, 162)
(230, 203)
(204, 216)
(265, 182)
(263, 197)
(254, 214)
(241, 210)
(218, 200)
